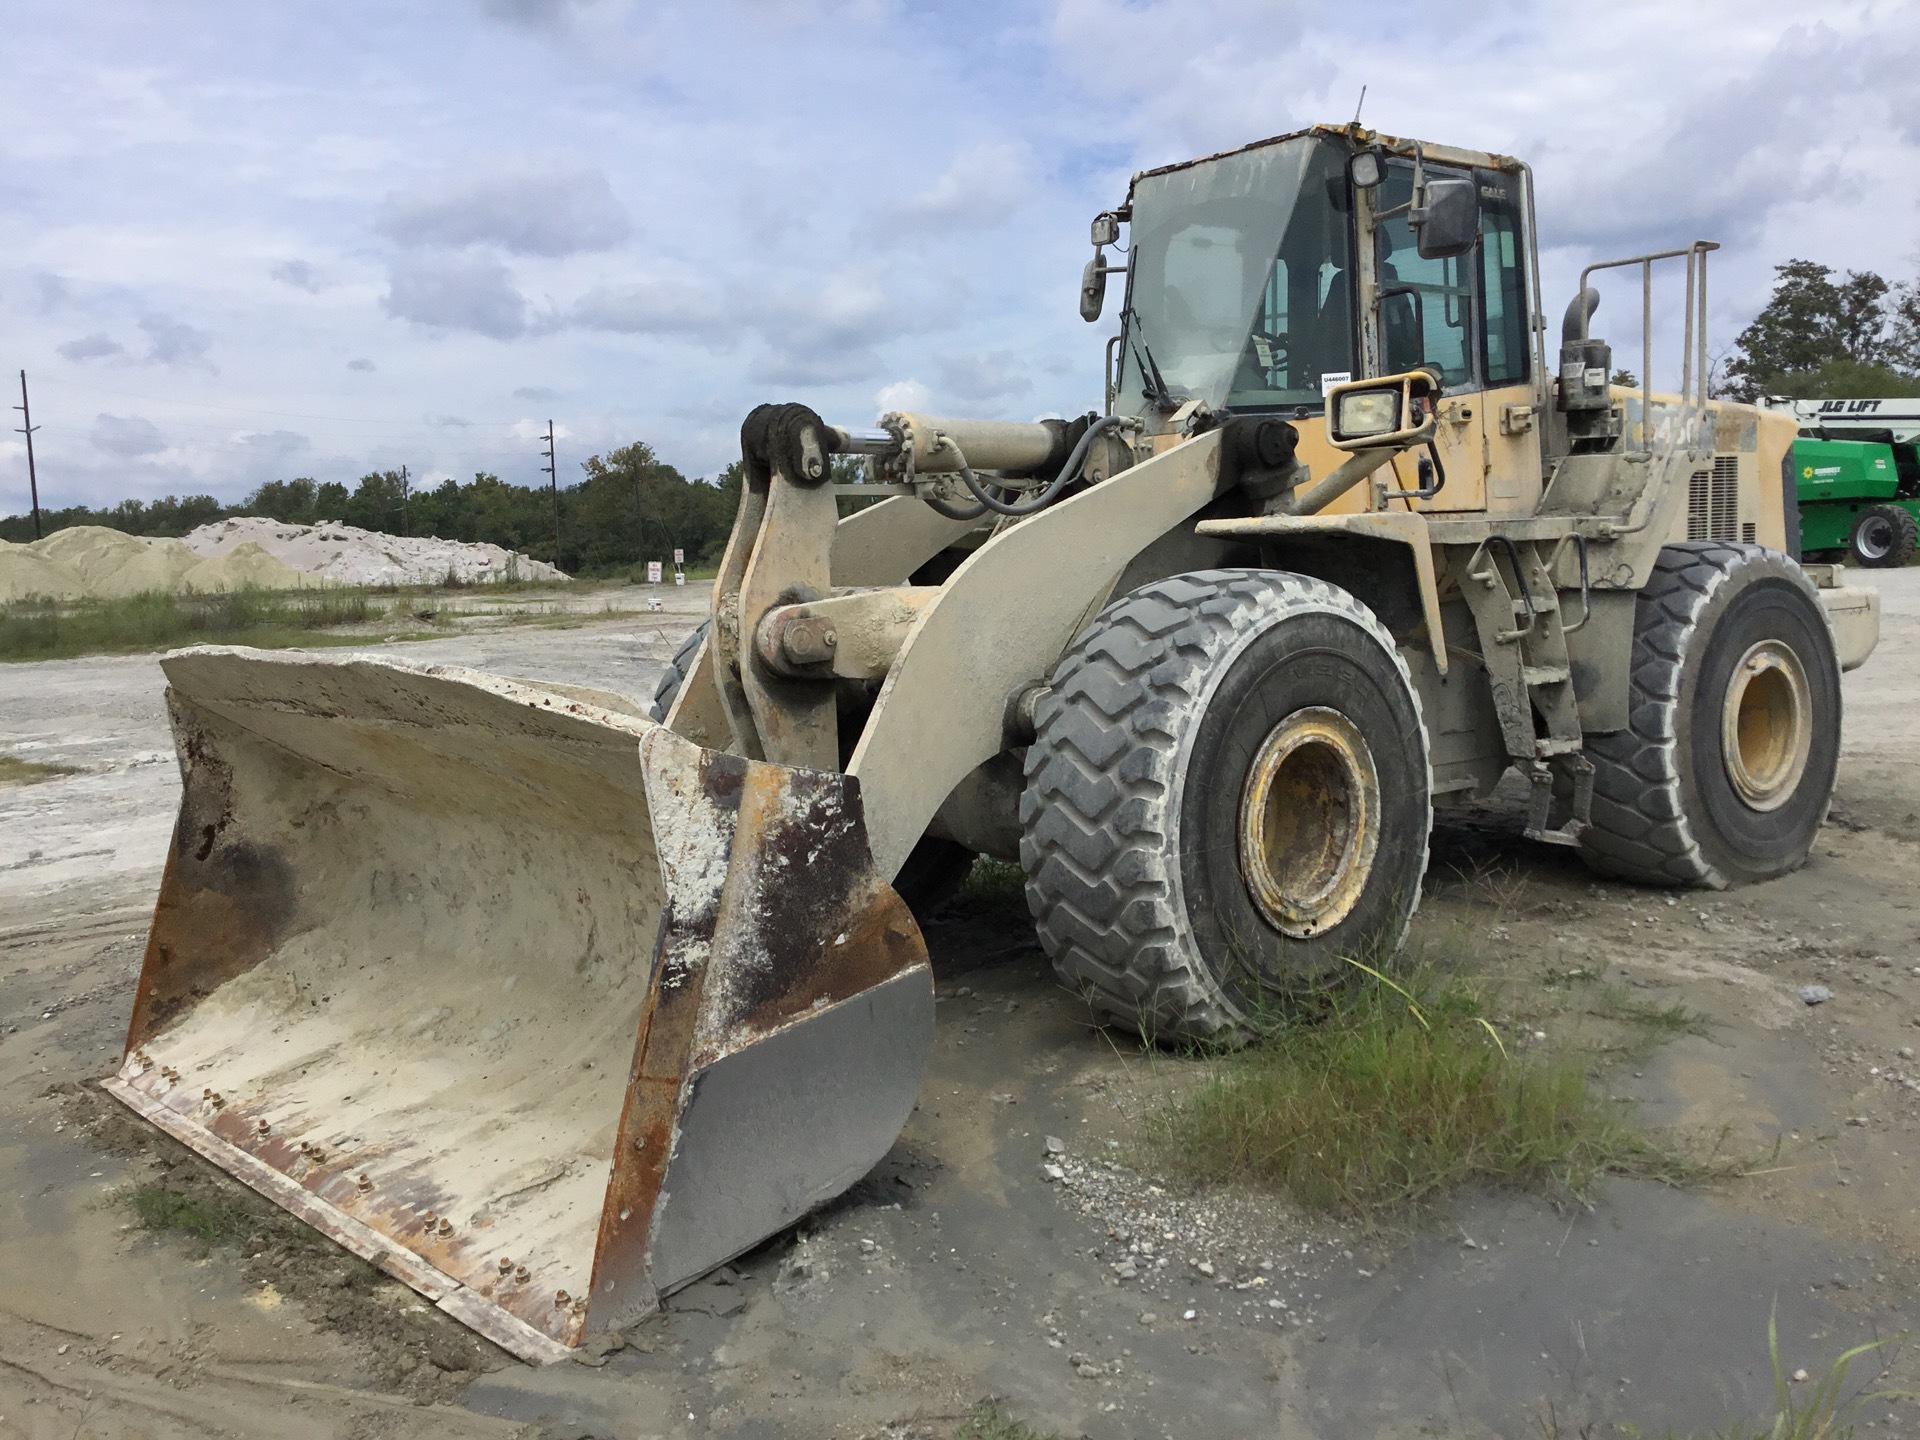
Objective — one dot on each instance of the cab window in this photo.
(1426, 306)
(1502, 281)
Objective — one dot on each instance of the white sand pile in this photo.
(91, 561)
(351, 556)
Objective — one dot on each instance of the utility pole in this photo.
(26, 427)
(553, 484)
(406, 509)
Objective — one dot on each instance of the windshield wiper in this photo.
(1151, 379)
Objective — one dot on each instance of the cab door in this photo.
(1425, 315)
(1508, 425)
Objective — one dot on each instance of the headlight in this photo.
(1367, 412)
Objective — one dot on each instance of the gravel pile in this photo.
(351, 556)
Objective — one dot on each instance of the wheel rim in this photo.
(1309, 822)
(1766, 725)
(1876, 538)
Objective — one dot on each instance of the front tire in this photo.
(1723, 774)
(1227, 798)
(1884, 537)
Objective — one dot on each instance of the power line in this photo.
(26, 428)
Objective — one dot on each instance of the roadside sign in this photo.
(653, 572)
(679, 558)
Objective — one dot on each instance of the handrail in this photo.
(1695, 336)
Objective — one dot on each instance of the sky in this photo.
(244, 242)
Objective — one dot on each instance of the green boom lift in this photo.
(1856, 471)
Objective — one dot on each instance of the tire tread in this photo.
(1098, 811)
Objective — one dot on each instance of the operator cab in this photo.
(1258, 278)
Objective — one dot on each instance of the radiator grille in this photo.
(1749, 532)
(1713, 501)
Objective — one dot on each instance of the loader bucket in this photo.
(540, 1007)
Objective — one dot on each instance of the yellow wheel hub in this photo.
(1309, 822)
(1766, 725)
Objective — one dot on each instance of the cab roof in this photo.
(1356, 137)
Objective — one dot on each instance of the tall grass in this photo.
(1393, 1092)
(155, 620)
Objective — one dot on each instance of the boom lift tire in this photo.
(934, 869)
(1227, 798)
(1724, 772)
(1884, 537)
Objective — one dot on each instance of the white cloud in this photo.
(981, 188)
(989, 378)
(535, 14)
(655, 307)
(457, 292)
(902, 395)
(127, 435)
(174, 342)
(97, 346)
(299, 274)
(524, 210)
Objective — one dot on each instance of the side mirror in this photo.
(1447, 221)
(1093, 288)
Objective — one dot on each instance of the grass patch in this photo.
(1659, 1022)
(15, 771)
(156, 620)
(1393, 1093)
(989, 1422)
(160, 1207)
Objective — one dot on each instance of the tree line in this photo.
(629, 507)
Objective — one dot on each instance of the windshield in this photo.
(1238, 294)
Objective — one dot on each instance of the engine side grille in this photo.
(1713, 501)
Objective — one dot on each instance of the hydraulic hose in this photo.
(1068, 472)
(940, 507)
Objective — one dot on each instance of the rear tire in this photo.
(1227, 798)
(1723, 774)
(1884, 537)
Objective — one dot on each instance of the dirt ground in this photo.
(1098, 1301)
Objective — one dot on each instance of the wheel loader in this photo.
(548, 1001)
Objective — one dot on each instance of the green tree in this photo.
(1818, 332)
(379, 502)
(1903, 339)
(633, 507)
(289, 500)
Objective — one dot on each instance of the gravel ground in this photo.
(963, 1267)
